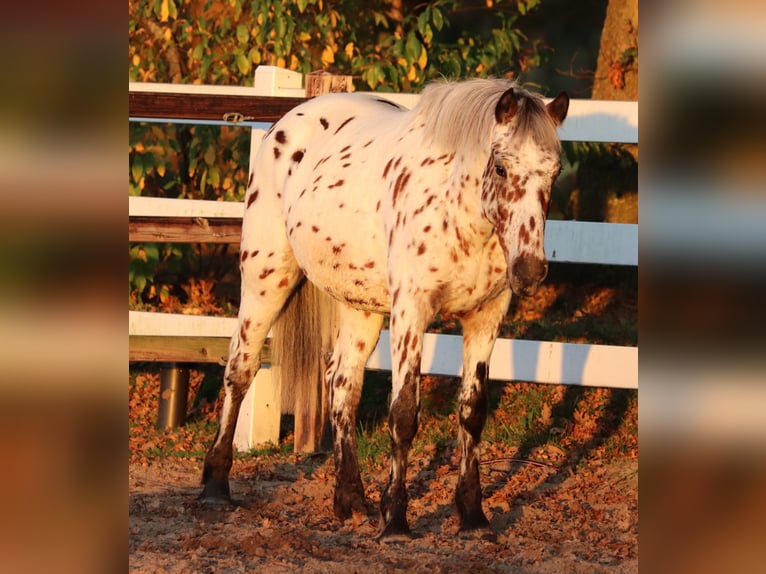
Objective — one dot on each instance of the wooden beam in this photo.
(208, 107)
(185, 229)
(178, 349)
(165, 349)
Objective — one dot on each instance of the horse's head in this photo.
(523, 164)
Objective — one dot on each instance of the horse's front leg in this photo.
(480, 328)
(408, 322)
(357, 334)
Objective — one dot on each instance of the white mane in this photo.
(460, 115)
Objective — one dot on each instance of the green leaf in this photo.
(152, 253)
(137, 169)
(380, 19)
(243, 35)
(209, 156)
(197, 52)
(423, 21)
(412, 48)
(428, 34)
(243, 64)
(437, 18)
(148, 160)
(214, 176)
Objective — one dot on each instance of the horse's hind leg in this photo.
(480, 329)
(266, 286)
(357, 336)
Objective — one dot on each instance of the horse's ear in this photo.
(506, 107)
(558, 108)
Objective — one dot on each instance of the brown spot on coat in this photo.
(401, 183)
(281, 137)
(341, 126)
(265, 273)
(524, 235)
(297, 156)
(388, 166)
(283, 282)
(324, 122)
(252, 197)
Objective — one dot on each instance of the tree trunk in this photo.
(617, 66)
(607, 181)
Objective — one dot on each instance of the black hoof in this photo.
(350, 501)
(478, 533)
(395, 531)
(215, 492)
(473, 520)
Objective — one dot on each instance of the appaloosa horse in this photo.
(438, 209)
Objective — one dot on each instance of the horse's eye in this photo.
(499, 170)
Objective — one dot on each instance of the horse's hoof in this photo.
(478, 533)
(395, 531)
(215, 500)
(215, 493)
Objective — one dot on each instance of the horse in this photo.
(369, 209)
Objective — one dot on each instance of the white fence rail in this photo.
(532, 361)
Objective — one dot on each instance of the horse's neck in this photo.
(465, 194)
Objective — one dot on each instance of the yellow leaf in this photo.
(412, 74)
(168, 35)
(136, 59)
(402, 62)
(161, 170)
(350, 50)
(281, 63)
(423, 60)
(164, 11)
(328, 57)
(294, 63)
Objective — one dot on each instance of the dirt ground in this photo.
(545, 518)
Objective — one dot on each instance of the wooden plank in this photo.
(591, 242)
(587, 120)
(185, 106)
(523, 360)
(260, 414)
(601, 121)
(178, 325)
(171, 207)
(184, 230)
(178, 349)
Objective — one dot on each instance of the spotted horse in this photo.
(382, 210)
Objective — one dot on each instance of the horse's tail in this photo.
(301, 342)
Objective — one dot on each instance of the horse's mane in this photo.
(460, 115)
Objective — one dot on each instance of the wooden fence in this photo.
(187, 338)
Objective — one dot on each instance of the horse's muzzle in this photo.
(526, 274)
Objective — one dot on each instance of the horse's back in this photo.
(328, 158)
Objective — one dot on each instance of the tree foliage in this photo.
(387, 44)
